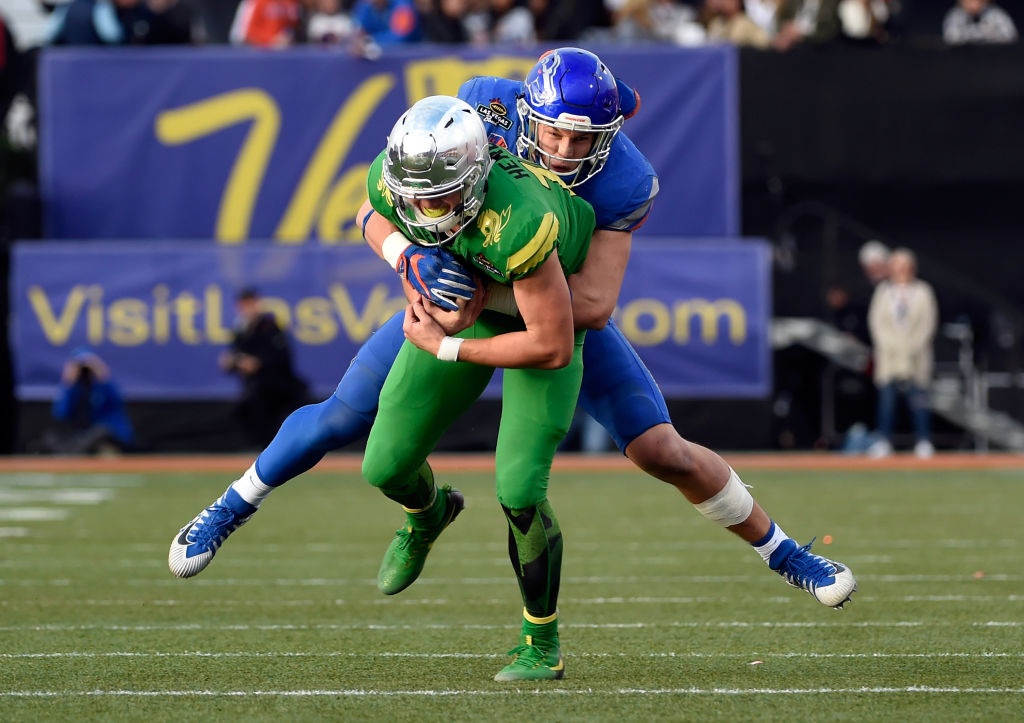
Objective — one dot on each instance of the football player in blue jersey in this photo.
(568, 114)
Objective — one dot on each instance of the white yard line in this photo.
(433, 602)
(731, 656)
(18, 491)
(556, 691)
(764, 577)
(63, 480)
(33, 514)
(469, 626)
(60, 496)
(484, 550)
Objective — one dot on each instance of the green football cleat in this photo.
(540, 660)
(404, 560)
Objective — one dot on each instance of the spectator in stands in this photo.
(543, 12)
(864, 20)
(119, 22)
(326, 23)
(387, 22)
(511, 23)
(977, 21)
(89, 411)
(213, 20)
(154, 22)
(848, 299)
(762, 13)
(443, 21)
(874, 261)
(728, 23)
(85, 22)
(903, 318)
(847, 302)
(261, 357)
(266, 23)
(806, 21)
(665, 21)
(568, 19)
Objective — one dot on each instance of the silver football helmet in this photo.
(437, 147)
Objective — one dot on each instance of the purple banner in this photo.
(159, 313)
(236, 144)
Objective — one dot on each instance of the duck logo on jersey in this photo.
(491, 223)
(385, 191)
(495, 113)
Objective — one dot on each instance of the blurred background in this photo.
(173, 170)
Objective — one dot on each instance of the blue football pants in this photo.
(618, 391)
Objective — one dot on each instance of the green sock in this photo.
(417, 492)
(541, 631)
(432, 514)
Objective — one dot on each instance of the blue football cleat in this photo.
(197, 542)
(829, 582)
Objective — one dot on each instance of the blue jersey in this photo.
(621, 194)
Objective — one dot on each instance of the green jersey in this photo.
(527, 213)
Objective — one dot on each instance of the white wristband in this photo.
(449, 349)
(393, 247)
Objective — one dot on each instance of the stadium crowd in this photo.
(367, 26)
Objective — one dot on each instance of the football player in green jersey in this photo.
(519, 227)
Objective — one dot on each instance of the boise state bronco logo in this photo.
(497, 140)
(491, 223)
(543, 89)
(495, 113)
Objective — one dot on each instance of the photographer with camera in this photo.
(89, 410)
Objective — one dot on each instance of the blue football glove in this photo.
(437, 274)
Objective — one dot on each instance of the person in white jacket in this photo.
(902, 319)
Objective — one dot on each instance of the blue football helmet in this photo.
(438, 147)
(570, 89)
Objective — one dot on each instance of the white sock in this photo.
(251, 488)
(775, 537)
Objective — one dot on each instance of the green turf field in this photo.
(663, 615)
